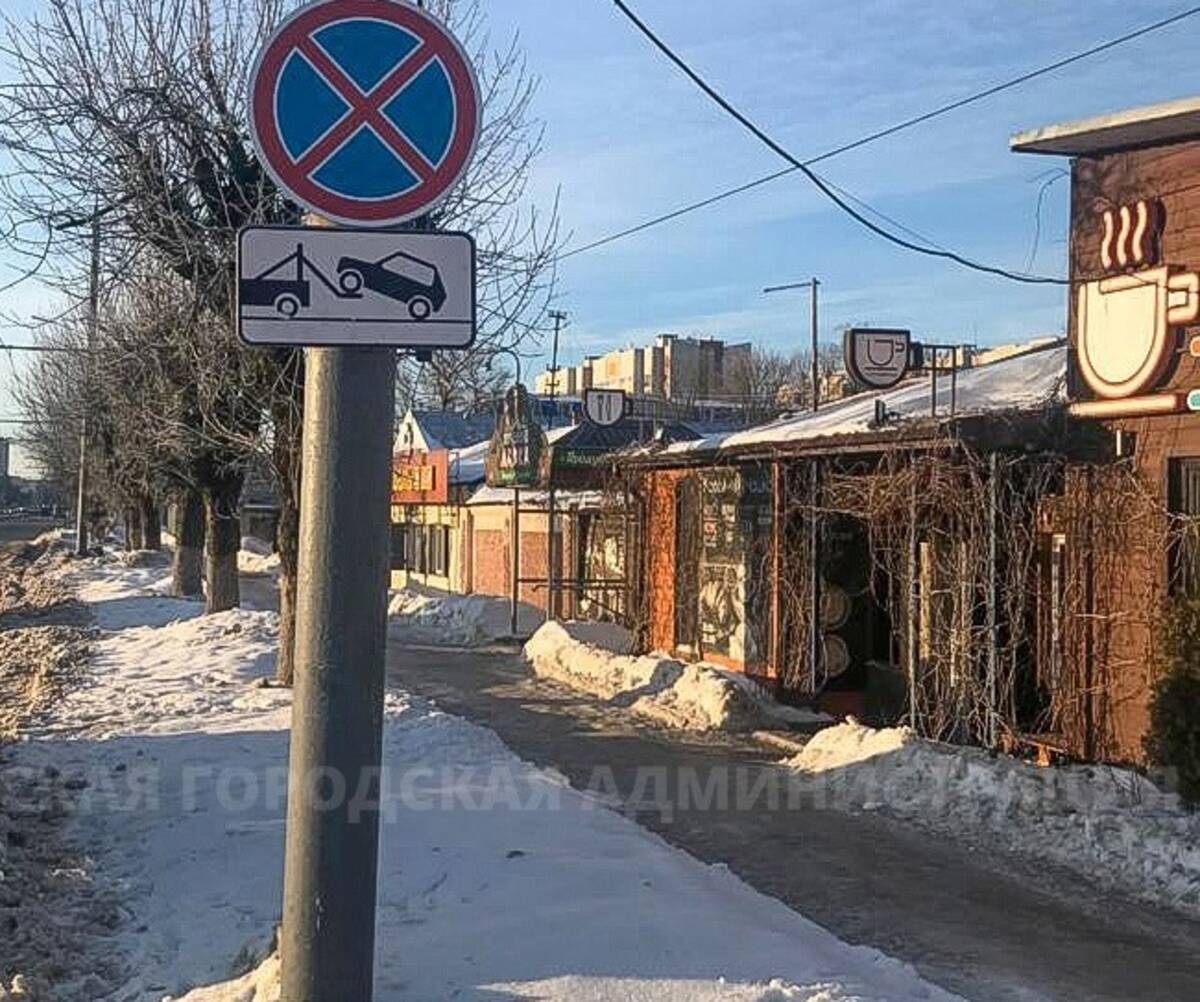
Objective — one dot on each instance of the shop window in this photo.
(438, 549)
(399, 546)
(1183, 496)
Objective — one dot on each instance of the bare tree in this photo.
(460, 381)
(760, 382)
(139, 107)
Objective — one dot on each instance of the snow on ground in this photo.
(257, 557)
(497, 881)
(595, 657)
(427, 616)
(1113, 825)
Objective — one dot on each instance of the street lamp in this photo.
(812, 284)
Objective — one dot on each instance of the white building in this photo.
(673, 368)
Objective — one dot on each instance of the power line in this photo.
(883, 133)
(815, 178)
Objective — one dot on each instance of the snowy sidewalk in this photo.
(972, 919)
(497, 880)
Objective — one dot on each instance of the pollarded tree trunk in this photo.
(151, 522)
(287, 412)
(187, 578)
(133, 528)
(287, 539)
(222, 539)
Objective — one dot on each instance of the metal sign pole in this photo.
(350, 297)
(328, 940)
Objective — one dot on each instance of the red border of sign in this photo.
(355, 211)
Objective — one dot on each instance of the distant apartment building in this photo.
(682, 369)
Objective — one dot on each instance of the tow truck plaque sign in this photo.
(340, 287)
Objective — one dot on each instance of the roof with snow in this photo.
(532, 498)
(466, 465)
(1032, 382)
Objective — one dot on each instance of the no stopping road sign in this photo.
(366, 112)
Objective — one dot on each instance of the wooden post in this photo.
(910, 645)
(814, 574)
(993, 598)
(776, 545)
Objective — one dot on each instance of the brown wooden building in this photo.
(1117, 545)
(900, 613)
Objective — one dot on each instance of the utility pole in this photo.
(93, 324)
(81, 532)
(815, 374)
(332, 852)
(558, 316)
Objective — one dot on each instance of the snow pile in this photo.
(257, 557)
(554, 652)
(259, 985)
(1113, 825)
(594, 657)
(444, 619)
(38, 664)
(496, 879)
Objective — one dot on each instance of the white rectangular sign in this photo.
(327, 286)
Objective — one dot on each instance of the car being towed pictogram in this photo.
(398, 276)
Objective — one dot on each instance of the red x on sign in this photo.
(364, 111)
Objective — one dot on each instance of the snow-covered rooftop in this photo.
(1027, 382)
(531, 498)
(466, 465)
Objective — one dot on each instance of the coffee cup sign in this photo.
(877, 358)
(1126, 323)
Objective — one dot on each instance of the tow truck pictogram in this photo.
(289, 295)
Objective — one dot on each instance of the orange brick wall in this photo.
(660, 558)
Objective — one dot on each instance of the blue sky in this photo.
(627, 138)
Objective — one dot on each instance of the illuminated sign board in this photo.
(421, 477)
(1127, 323)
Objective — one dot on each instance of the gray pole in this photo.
(515, 542)
(953, 381)
(515, 605)
(81, 532)
(559, 316)
(933, 367)
(331, 859)
(815, 374)
(816, 369)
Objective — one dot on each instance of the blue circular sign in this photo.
(364, 111)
